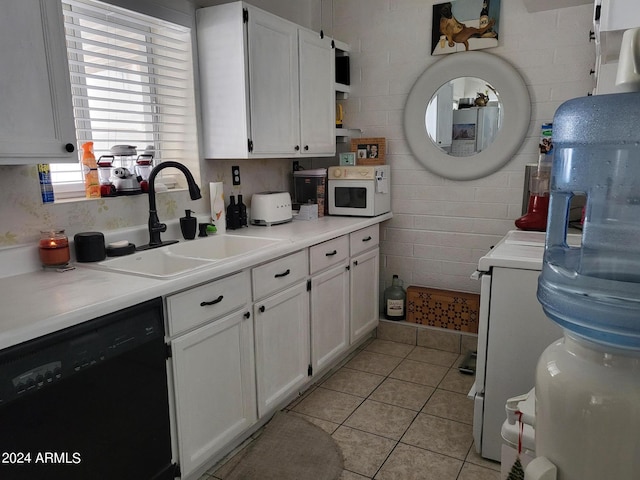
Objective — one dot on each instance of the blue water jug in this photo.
(594, 290)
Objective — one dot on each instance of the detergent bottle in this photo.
(90, 171)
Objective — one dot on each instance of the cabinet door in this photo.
(273, 84)
(364, 294)
(36, 125)
(282, 345)
(329, 315)
(214, 380)
(317, 95)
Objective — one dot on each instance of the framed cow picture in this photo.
(463, 25)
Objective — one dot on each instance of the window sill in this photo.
(68, 200)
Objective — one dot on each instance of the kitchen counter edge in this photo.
(39, 303)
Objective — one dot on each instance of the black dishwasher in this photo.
(88, 402)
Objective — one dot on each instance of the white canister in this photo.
(216, 191)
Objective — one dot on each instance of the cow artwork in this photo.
(464, 25)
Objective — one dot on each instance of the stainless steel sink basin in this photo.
(219, 247)
(184, 257)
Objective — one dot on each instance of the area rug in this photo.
(289, 448)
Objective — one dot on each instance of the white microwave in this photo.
(359, 191)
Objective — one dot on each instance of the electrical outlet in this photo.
(235, 175)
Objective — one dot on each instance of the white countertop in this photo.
(38, 303)
(520, 249)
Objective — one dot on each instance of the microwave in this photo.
(359, 191)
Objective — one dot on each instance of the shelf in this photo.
(342, 91)
(342, 134)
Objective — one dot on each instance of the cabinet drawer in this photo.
(207, 302)
(364, 239)
(279, 274)
(329, 253)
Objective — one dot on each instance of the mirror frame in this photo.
(514, 100)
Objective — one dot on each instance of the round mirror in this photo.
(486, 131)
(464, 116)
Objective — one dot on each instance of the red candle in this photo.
(54, 248)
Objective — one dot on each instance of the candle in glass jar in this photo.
(54, 248)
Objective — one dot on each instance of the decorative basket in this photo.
(443, 308)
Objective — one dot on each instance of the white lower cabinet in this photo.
(282, 345)
(329, 316)
(235, 362)
(363, 282)
(364, 294)
(213, 369)
(329, 301)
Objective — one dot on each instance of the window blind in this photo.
(131, 83)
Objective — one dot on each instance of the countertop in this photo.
(520, 249)
(42, 302)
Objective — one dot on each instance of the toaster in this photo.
(270, 208)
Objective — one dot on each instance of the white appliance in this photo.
(360, 191)
(270, 208)
(474, 129)
(512, 333)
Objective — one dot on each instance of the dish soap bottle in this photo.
(188, 225)
(395, 300)
(90, 171)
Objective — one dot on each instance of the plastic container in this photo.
(90, 171)
(309, 186)
(46, 187)
(395, 300)
(594, 290)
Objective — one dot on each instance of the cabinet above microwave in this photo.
(267, 85)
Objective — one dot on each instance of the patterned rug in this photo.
(289, 448)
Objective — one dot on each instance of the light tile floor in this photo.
(398, 412)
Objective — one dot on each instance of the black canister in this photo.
(89, 246)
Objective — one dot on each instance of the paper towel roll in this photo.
(216, 190)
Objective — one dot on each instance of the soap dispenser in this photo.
(188, 225)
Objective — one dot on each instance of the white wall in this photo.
(440, 227)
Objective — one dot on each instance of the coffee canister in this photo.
(89, 246)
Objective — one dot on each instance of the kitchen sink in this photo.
(220, 247)
(158, 263)
(184, 257)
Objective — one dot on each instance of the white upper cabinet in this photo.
(36, 124)
(267, 85)
(317, 94)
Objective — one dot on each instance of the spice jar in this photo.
(53, 248)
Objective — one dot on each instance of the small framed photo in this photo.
(348, 158)
(369, 151)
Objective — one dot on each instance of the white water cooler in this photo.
(587, 390)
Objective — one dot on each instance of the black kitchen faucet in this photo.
(155, 227)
